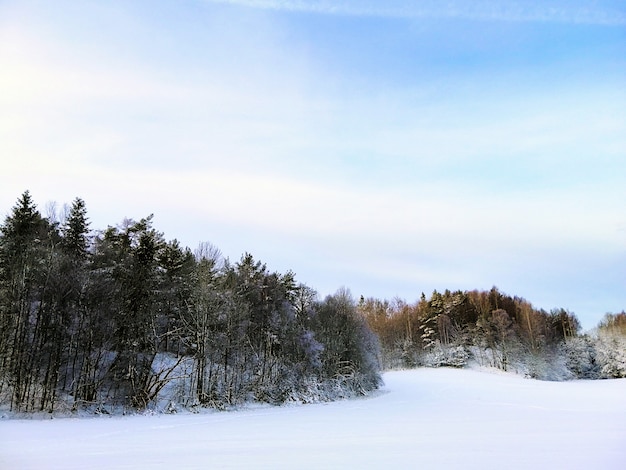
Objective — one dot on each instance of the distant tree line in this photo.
(116, 317)
(495, 330)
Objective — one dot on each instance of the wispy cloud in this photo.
(577, 11)
(258, 136)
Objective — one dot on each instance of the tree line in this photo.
(114, 317)
(121, 317)
(495, 330)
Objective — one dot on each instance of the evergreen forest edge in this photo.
(123, 319)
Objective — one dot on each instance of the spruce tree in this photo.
(22, 255)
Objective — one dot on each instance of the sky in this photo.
(392, 148)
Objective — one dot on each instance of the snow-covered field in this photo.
(426, 418)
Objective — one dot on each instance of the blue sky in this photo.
(390, 147)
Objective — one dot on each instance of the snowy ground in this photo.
(427, 418)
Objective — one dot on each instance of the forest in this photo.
(122, 319)
(493, 329)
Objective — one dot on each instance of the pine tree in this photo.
(77, 348)
(22, 273)
(75, 231)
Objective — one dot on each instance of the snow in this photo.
(439, 418)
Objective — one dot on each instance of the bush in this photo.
(611, 351)
(581, 357)
(446, 356)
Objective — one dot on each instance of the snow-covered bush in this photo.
(546, 365)
(611, 354)
(446, 356)
(580, 358)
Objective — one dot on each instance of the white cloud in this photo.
(580, 11)
(245, 145)
(259, 147)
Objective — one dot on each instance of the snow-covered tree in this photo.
(581, 357)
